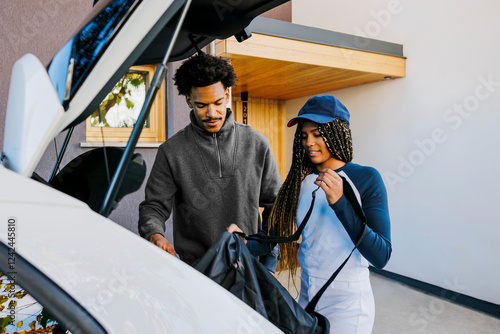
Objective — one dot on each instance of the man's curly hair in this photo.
(203, 70)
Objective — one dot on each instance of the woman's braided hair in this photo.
(337, 138)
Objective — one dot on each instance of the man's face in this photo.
(209, 105)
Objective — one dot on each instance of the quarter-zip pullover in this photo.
(209, 181)
(218, 154)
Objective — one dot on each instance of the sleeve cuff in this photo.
(150, 227)
(340, 204)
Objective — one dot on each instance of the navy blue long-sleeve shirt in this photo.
(376, 246)
(332, 230)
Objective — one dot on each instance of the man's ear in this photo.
(188, 101)
(227, 95)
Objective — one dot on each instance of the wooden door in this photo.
(268, 117)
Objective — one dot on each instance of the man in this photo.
(211, 174)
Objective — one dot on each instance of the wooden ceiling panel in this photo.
(278, 68)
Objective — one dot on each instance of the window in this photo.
(118, 112)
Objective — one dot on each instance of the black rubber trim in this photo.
(448, 295)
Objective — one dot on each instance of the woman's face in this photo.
(316, 149)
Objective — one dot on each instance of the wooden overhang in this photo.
(283, 60)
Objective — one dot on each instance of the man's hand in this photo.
(160, 241)
(332, 185)
(234, 228)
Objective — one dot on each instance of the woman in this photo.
(322, 149)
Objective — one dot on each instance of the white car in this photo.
(91, 274)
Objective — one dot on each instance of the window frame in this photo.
(154, 134)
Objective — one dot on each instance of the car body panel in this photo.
(125, 282)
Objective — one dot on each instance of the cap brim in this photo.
(321, 119)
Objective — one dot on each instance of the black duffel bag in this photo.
(229, 263)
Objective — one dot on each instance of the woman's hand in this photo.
(234, 228)
(331, 183)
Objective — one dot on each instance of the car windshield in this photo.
(74, 61)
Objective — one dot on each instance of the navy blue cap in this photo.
(321, 109)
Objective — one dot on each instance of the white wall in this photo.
(433, 135)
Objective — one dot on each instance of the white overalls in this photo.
(348, 302)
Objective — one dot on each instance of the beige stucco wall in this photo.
(39, 27)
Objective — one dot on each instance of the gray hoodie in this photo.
(209, 180)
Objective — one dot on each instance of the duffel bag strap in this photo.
(269, 239)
